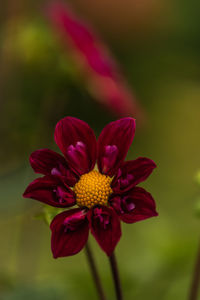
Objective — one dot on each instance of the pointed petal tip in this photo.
(25, 194)
(55, 256)
(156, 214)
(127, 119)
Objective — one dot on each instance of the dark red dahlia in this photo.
(103, 196)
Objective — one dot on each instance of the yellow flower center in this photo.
(93, 188)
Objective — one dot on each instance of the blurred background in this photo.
(156, 45)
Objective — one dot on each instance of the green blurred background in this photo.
(157, 45)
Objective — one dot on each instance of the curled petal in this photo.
(113, 144)
(48, 162)
(132, 173)
(134, 206)
(69, 232)
(77, 142)
(50, 190)
(105, 227)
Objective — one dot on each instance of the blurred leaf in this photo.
(197, 208)
(197, 177)
(48, 213)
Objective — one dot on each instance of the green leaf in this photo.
(48, 214)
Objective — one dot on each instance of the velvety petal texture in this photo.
(134, 206)
(48, 162)
(50, 190)
(132, 173)
(113, 144)
(69, 232)
(105, 227)
(77, 142)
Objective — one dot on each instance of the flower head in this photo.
(103, 196)
(105, 80)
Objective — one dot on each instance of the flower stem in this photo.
(196, 278)
(113, 264)
(94, 272)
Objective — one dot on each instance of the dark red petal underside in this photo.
(113, 144)
(132, 173)
(134, 206)
(50, 190)
(48, 162)
(105, 227)
(69, 232)
(77, 142)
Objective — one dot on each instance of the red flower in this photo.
(106, 82)
(103, 197)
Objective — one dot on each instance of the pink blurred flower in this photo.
(106, 82)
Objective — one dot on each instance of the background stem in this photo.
(95, 274)
(113, 264)
(196, 278)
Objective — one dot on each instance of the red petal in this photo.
(50, 190)
(69, 232)
(113, 144)
(131, 173)
(105, 226)
(77, 142)
(48, 162)
(134, 206)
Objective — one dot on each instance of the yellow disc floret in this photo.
(93, 188)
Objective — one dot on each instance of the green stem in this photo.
(94, 272)
(115, 273)
(196, 278)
